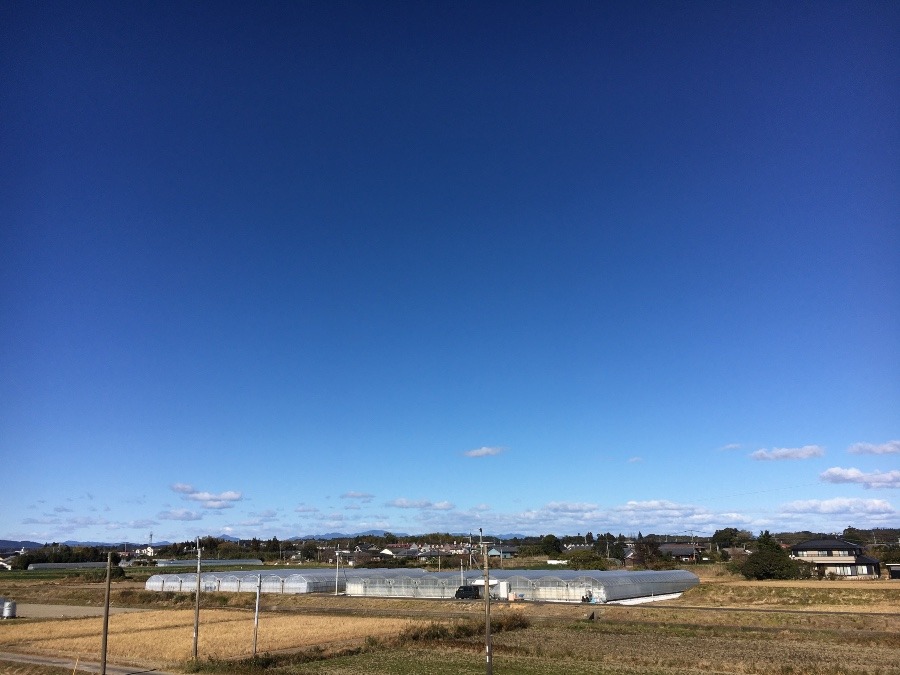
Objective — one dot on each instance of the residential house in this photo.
(837, 557)
(681, 552)
(398, 551)
(503, 552)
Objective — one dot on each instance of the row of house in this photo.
(830, 557)
(423, 553)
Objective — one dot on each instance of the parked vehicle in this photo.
(467, 593)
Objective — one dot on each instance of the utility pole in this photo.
(105, 615)
(256, 614)
(489, 663)
(197, 605)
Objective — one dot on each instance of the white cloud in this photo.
(731, 446)
(303, 508)
(570, 507)
(179, 514)
(840, 505)
(889, 448)
(423, 504)
(361, 496)
(403, 503)
(652, 506)
(875, 479)
(483, 452)
(805, 452)
(208, 500)
(635, 460)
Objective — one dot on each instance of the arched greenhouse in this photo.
(534, 585)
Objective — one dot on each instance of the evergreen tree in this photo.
(769, 561)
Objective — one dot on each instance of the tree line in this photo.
(62, 553)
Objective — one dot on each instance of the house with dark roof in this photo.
(840, 558)
(681, 552)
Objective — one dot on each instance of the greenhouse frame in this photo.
(289, 581)
(528, 585)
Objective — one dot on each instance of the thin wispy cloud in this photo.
(208, 500)
(889, 448)
(840, 505)
(776, 454)
(179, 514)
(483, 452)
(635, 460)
(571, 507)
(140, 524)
(871, 480)
(364, 497)
(731, 446)
(41, 521)
(268, 514)
(422, 504)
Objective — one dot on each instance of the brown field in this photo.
(167, 636)
(726, 625)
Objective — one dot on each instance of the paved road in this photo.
(83, 666)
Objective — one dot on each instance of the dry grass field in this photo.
(725, 626)
(166, 637)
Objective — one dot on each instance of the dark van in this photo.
(467, 593)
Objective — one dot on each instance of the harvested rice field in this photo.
(167, 636)
(724, 626)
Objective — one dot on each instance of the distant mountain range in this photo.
(8, 545)
(11, 545)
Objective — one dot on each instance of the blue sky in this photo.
(291, 268)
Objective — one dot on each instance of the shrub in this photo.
(92, 575)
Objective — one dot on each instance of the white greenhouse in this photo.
(287, 581)
(597, 586)
(534, 585)
(433, 585)
(530, 585)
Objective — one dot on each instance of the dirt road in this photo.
(83, 666)
(28, 611)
